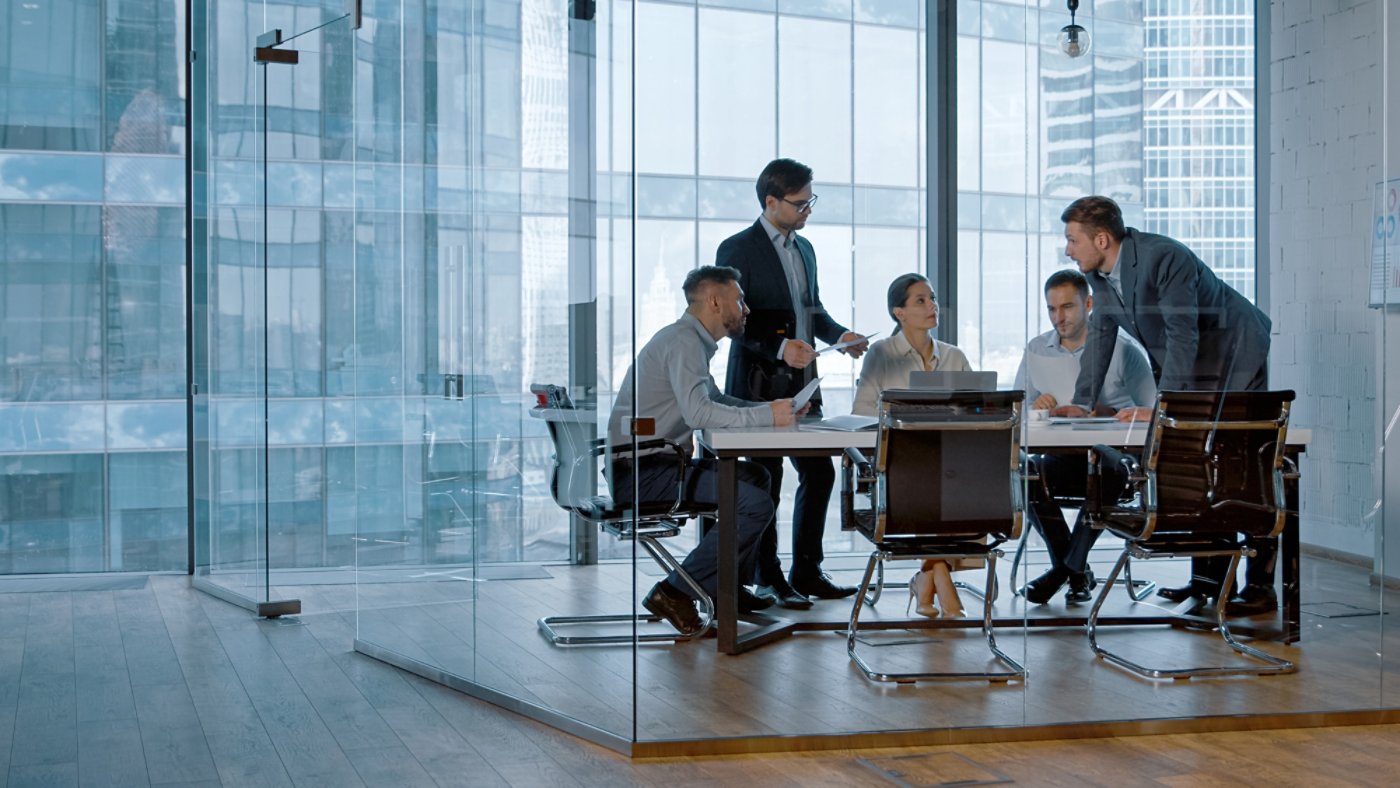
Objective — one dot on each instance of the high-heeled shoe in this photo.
(921, 588)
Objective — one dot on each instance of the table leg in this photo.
(1288, 556)
(726, 603)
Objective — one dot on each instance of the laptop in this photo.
(953, 381)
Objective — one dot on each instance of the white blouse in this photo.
(889, 362)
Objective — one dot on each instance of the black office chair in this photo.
(1140, 589)
(1211, 475)
(948, 476)
(573, 485)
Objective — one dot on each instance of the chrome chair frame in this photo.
(956, 546)
(1139, 589)
(646, 526)
(857, 478)
(1139, 524)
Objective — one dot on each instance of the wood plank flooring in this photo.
(805, 685)
(164, 685)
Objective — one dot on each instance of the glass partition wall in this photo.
(272, 283)
(453, 202)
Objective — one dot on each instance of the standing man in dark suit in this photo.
(775, 358)
(1200, 335)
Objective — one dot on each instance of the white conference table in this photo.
(730, 445)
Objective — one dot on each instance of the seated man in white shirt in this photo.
(673, 387)
(1048, 373)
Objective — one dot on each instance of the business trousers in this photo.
(655, 481)
(815, 478)
(1061, 482)
(1209, 573)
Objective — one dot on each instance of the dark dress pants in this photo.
(753, 507)
(1209, 573)
(1061, 482)
(815, 478)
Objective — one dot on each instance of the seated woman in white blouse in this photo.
(912, 348)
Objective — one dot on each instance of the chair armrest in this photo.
(857, 475)
(600, 447)
(1099, 457)
(860, 461)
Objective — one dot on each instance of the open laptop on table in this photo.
(953, 381)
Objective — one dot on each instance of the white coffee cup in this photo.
(1039, 414)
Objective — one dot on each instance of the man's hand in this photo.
(1134, 414)
(782, 412)
(856, 350)
(1045, 402)
(1070, 410)
(798, 354)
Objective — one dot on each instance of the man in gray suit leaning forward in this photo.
(1200, 335)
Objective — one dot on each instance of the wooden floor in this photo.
(165, 685)
(805, 686)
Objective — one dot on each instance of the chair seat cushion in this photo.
(955, 543)
(1129, 522)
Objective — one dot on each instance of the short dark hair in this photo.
(1097, 213)
(1068, 276)
(899, 291)
(718, 274)
(780, 178)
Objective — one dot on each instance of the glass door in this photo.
(273, 189)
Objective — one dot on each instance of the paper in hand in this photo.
(843, 345)
(800, 401)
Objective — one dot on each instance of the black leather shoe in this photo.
(1252, 601)
(819, 586)
(1043, 588)
(1183, 593)
(674, 607)
(782, 595)
(1081, 584)
(752, 603)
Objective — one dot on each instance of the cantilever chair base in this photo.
(1211, 477)
(863, 598)
(573, 485)
(1272, 665)
(550, 625)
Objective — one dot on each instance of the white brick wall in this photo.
(1325, 159)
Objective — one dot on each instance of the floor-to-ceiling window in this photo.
(92, 346)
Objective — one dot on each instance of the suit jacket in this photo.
(755, 371)
(1200, 334)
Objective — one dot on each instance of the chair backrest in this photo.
(1214, 462)
(573, 480)
(948, 465)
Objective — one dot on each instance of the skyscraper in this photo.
(1199, 128)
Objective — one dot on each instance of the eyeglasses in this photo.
(802, 206)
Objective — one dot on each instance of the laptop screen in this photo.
(953, 381)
